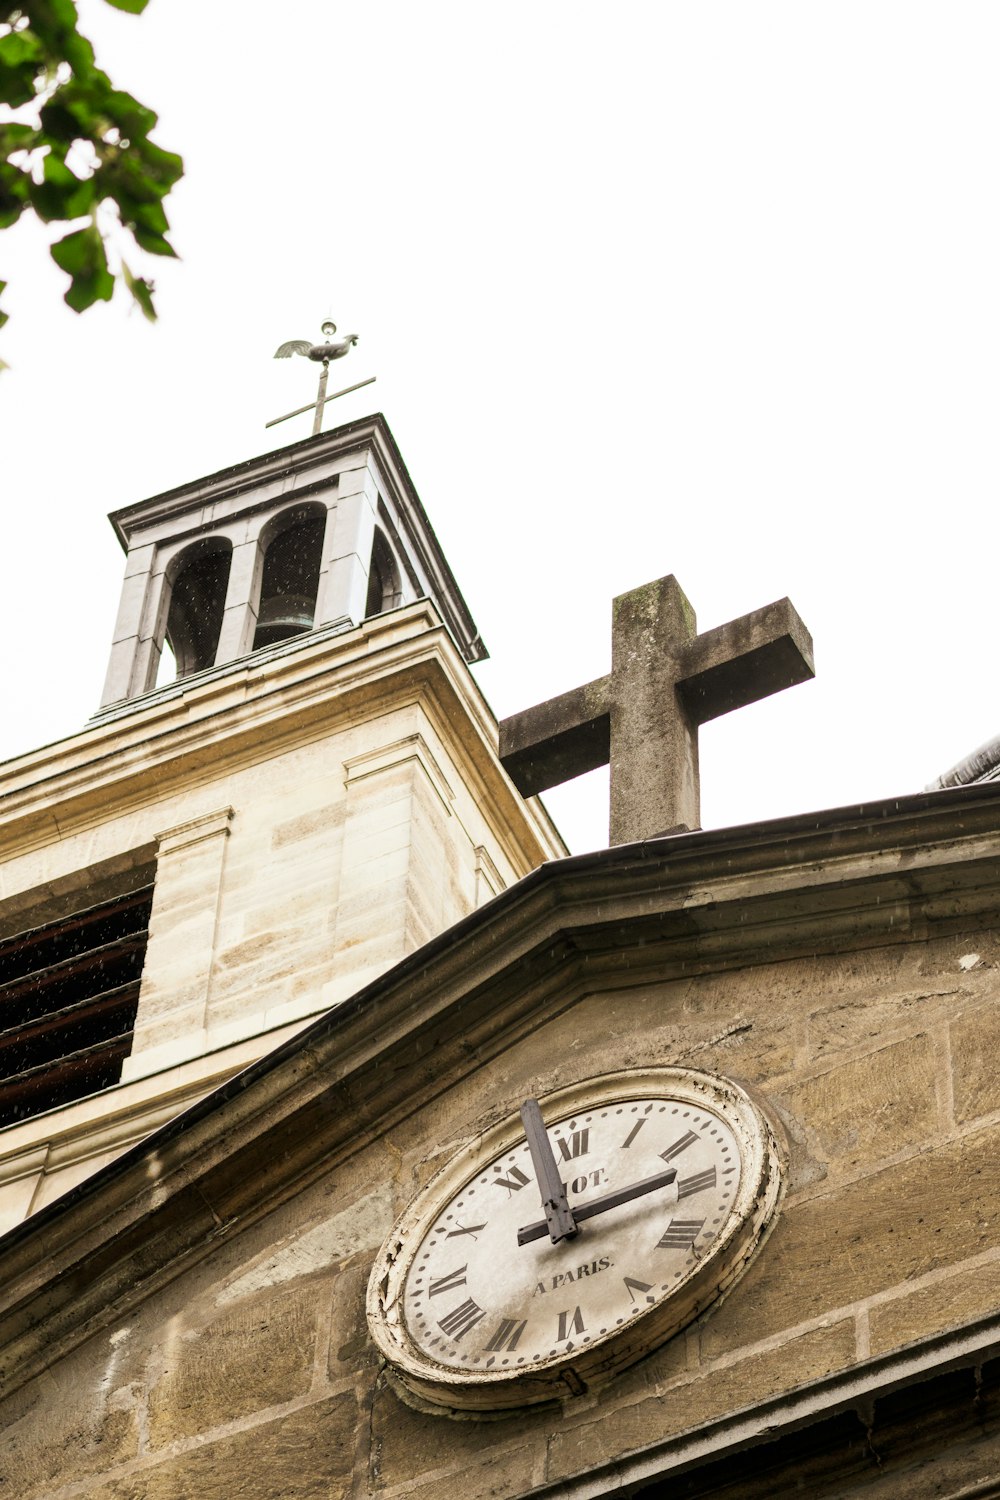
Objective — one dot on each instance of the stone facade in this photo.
(308, 818)
(191, 1321)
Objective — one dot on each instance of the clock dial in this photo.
(672, 1178)
(476, 1299)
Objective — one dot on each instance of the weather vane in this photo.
(322, 354)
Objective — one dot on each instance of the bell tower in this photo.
(224, 855)
(270, 549)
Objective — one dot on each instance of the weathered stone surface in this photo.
(709, 1394)
(975, 1048)
(405, 1445)
(318, 823)
(307, 1455)
(671, 1363)
(70, 1425)
(970, 1293)
(878, 1232)
(507, 1479)
(855, 998)
(351, 1347)
(665, 681)
(261, 1354)
(869, 1108)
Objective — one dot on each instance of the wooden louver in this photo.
(68, 998)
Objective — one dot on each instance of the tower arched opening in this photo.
(293, 558)
(197, 603)
(384, 589)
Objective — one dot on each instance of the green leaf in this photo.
(155, 244)
(86, 290)
(14, 186)
(63, 14)
(20, 47)
(17, 138)
(79, 54)
(80, 253)
(149, 215)
(142, 291)
(60, 122)
(131, 117)
(164, 167)
(62, 195)
(132, 171)
(17, 81)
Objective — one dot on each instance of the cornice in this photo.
(254, 710)
(304, 457)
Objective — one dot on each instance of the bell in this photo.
(282, 616)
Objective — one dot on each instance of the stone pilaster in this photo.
(173, 1001)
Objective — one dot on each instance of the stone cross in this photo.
(643, 718)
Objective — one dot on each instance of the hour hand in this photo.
(559, 1218)
(601, 1205)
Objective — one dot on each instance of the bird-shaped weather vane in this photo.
(322, 354)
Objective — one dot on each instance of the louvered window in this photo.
(68, 998)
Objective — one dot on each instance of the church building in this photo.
(356, 1141)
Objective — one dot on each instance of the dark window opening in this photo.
(197, 604)
(290, 582)
(384, 591)
(68, 999)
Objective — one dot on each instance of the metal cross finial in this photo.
(322, 354)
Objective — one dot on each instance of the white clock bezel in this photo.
(443, 1388)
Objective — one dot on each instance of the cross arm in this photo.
(744, 660)
(557, 740)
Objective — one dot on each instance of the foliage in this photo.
(73, 147)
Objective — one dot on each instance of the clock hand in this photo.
(601, 1205)
(559, 1220)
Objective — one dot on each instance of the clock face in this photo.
(477, 1307)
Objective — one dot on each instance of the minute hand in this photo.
(601, 1205)
(559, 1222)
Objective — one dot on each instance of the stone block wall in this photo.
(252, 1373)
(306, 822)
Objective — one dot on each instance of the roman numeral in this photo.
(448, 1283)
(633, 1133)
(578, 1146)
(686, 1140)
(507, 1335)
(681, 1234)
(514, 1182)
(570, 1324)
(696, 1184)
(473, 1229)
(634, 1286)
(461, 1319)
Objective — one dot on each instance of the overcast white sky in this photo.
(709, 289)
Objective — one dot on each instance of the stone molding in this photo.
(412, 748)
(231, 719)
(207, 826)
(857, 1389)
(489, 881)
